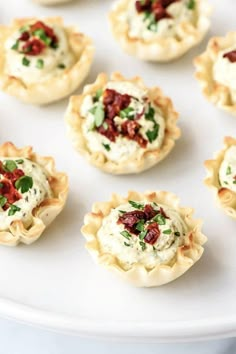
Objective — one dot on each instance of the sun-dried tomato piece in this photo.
(143, 6)
(130, 219)
(149, 211)
(231, 56)
(10, 192)
(48, 30)
(166, 3)
(159, 11)
(25, 36)
(162, 212)
(33, 47)
(110, 131)
(130, 129)
(14, 176)
(152, 234)
(114, 102)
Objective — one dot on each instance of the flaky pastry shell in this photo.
(214, 91)
(55, 88)
(47, 211)
(148, 158)
(161, 49)
(138, 275)
(226, 198)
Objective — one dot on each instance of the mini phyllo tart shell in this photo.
(161, 48)
(221, 173)
(64, 59)
(41, 198)
(131, 152)
(216, 72)
(171, 243)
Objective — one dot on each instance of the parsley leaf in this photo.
(126, 234)
(191, 4)
(136, 205)
(13, 209)
(228, 171)
(40, 64)
(167, 232)
(24, 184)
(107, 147)
(127, 113)
(159, 219)
(3, 200)
(153, 134)
(25, 61)
(140, 225)
(9, 165)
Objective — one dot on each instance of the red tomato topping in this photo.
(48, 30)
(153, 233)
(231, 56)
(33, 47)
(130, 219)
(114, 102)
(10, 192)
(158, 8)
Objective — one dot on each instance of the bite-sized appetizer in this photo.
(32, 194)
(42, 60)
(159, 30)
(222, 177)
(216, 72)
(145, 238)
(120, 125)
(51, 2)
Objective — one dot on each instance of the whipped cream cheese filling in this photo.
(130, 248)
(150, 121)
(32, 188)
(224, 71)
(49, 63)
(144, 26)
(227, 171)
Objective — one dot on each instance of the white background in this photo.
(56, 273)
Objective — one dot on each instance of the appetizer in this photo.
(32, 194)
(216, 72)
(147, 239)
(120, 125)
(221, 177)
(159, 30)
(42, 60)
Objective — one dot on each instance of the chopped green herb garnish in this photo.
(126, 234)
(122, 211)
(225, 182)
(143, 245)
(126, 244)
(153, 248)
(61, 66)
(13, 209)
(142, 234)
(228, 171)
(40, 64)
(136, 205)
(153, 26)
(54, 45)
(234, 182)
(127, 113)
(24, 29)
(105, 125)
(40, 33)
(177, 233)
(191, 5)
(15, 46)
(99, 115)
(98, 94)
(93, 109)
(9, 165)
(20, 161)
(24, 184)
(159, 219)
(25, 61)
(3, 200)
(167, 232)
(1, 185)
(140, 225)
(153, 134)
(107, 147)
(150, 114)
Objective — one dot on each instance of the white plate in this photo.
(54, 283)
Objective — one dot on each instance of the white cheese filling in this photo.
(224, 71)
(55, 61)
(145, 27)
(130, 251)
(227, 171)
(123, 148)
(31, 199)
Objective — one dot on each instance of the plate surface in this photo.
(54, 283)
